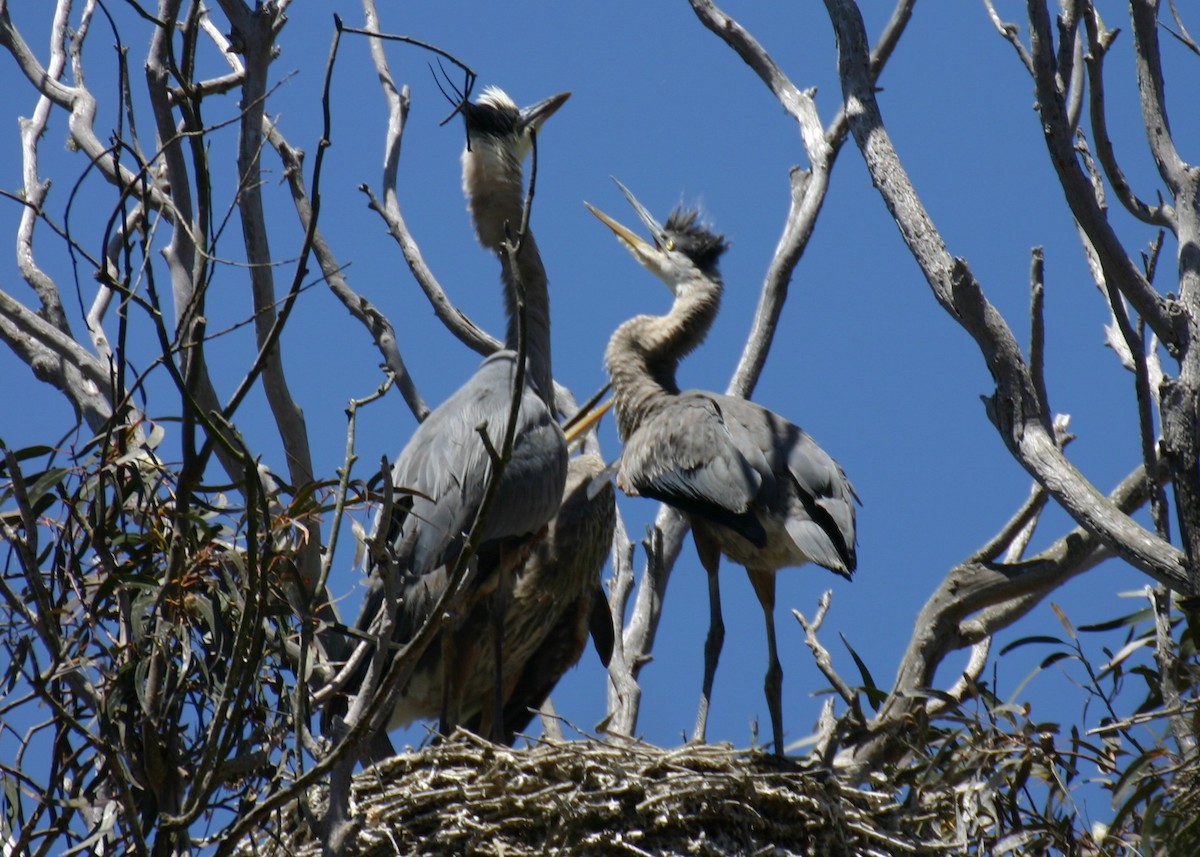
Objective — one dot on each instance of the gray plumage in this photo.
(755, 487)
(446, 464)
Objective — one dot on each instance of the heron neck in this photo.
(644, 353)
(493, 180)
(531, 275)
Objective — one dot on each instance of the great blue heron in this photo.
(446, 465)
(755, 487)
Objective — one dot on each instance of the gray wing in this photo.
(804, 475)
(822, 479)
(689, 456)
(447, 466)
(447, 463)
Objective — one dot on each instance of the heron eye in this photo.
(670, 246)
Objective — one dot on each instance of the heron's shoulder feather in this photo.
(686, 455)
(447, 464)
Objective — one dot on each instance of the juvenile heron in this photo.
(755, 487)
(447, 466)
(558, 591)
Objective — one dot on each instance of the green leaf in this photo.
(1120, 657)
(874, 695)
(1062, 617)
(1135, 618)
(1054, 658)
(1034, 640)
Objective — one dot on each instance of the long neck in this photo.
(532, 277)
(645, 351)
(494, 183)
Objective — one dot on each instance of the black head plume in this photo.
(493, 114)
(695, 239)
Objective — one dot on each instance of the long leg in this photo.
(499, 608)
(764, 586)
(462, 648)
(448, 716)
(710, 557)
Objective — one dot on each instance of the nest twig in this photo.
(468, 796)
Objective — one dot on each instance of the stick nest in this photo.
(468, 796)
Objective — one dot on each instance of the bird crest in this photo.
(695, 239)
(494, 114)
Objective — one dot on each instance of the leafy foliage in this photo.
(1016, 782)
(148, 684)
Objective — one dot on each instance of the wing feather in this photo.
(447, 462)
(686, 456)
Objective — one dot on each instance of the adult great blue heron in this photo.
(755, 487)
(446, 465)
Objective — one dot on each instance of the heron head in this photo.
(678, 251)
(499, 138)
(495, 121)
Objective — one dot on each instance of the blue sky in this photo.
(864, 358)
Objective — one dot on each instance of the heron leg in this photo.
(449, 668)
(461, 650)
(764, 587)
(499, 608)
(710, 557)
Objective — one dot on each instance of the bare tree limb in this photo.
(467, 332)
(624, 693)
(32, 130)
(1180, 399)
(58, 360)
(974, 601)
(1010, 32)
(820, 653)
(256, 33)
(1171, 167)
(1014, 409)
(82, 108)
(1119, 269)
(1099, 41)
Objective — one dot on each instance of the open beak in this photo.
(535, 114)
(647, 253)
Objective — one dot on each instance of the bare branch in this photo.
(82, 107)
(58, 360)
(820, 653)
(1183, 35)
(1037, 327)
(1166, 655)
(1015, 534)
(1015, 408)
(799, 105)
(397, 99)
(257, 40)
(35, 189)
(1010, 32)
(967, 683)
(1119, 268)
(668, 529)
(1099, 41)
(455, 320)
(1154, 105)
(1070, 64)
(624, 694)
(808, 187)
